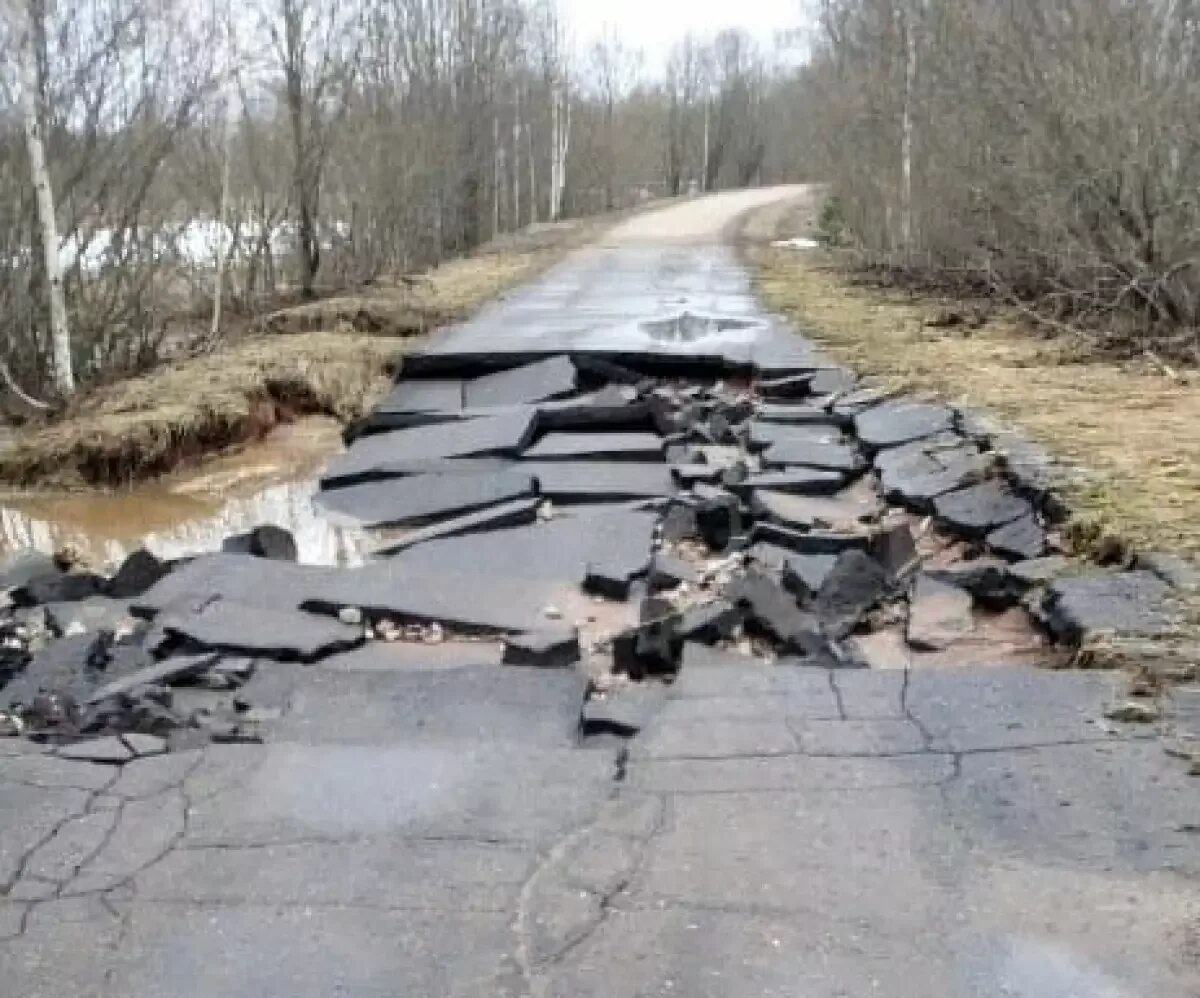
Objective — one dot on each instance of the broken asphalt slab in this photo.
(399, 501)
(506, 434)
(579, 446)
(227, 625)
(547, 379)
(1121, 604)
(897, 423)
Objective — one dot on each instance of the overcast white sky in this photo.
(654, 25)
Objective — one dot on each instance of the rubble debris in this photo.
(855, 584)
(1023, 539)
(811, 541)
(165, 673)
(774, 610)
(266, 541)
(137, 573)
(939, 614)
(980, 509)
(556, 648)
(719, 520)
(1040, 571)
(990, 582)
(894, 547)
(679, 523)
(805, 574)
(845, 510)
(803, 481)
(710, 622)
(898, 423)
(63, 587)
(918, 474)
(652, 647)
(810, 454)
(794, 386)
(1130, 604)
(668, 572)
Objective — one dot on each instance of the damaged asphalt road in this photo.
(685, 666)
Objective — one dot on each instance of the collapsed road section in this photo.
(693, 491)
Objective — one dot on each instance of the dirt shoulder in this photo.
(335, 356)
(1127, 433)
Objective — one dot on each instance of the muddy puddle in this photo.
(190, 512)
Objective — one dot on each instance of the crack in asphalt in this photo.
(533, 971)
(512, 845)
(63, 885)
(836, 690)
(928, 752)
(27, 857)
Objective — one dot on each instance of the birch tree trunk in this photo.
(515, 165)
(555, 146)
(533, 191)
(60, 332)
(223, 202)
(906, 128)
(562, 147)
(497, 174)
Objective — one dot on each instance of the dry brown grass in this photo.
(446, 293)
(1130, 429)
(415, 307)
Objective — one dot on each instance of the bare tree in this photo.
(30, 24)
(317, 46)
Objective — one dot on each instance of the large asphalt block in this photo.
(512, 513)
(979, 509)
(898, 423)
(765, 434)
(1118, 603)
(577, 446)
(560, 549)
(459, 595)
(595, 481)
(505, 434)
(417, 396)
(228, 625)
(399, 501)
(545, 379)
(812, 454)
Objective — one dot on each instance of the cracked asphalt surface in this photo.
(783, 832)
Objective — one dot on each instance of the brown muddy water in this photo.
(190, 512)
